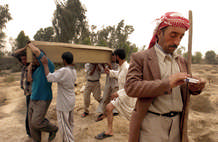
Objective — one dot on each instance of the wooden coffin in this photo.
(81, 53)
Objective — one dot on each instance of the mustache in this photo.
(175, 46)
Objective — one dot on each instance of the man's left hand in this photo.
(197, 86)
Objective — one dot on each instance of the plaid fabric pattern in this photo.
(174, 19)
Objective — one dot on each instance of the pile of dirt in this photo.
(3, 99)
(202, 103)
(203, 121)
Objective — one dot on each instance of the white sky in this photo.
(31, 15)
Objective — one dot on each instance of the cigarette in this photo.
(191, 80)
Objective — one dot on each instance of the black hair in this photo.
(120, 53)
(21, 55)
(163, 31)
(68, 57)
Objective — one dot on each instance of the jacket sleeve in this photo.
(138, 86)
(184, 61)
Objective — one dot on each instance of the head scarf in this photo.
(169, 19)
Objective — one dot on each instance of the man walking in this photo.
(111, 86)
(93, 75)
(40, 99)
(65, 77)
(26, 85)
(123, 104)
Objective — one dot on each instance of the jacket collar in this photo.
(154, 65)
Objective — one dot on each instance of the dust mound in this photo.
(205, 138)
(3, 100)
(201, 103)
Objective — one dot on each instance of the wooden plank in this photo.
(81, 53)
(187, 102)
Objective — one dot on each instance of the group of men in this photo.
(151, 91)
(114, 96)
(40, 73)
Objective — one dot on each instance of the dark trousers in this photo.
(37, 120)
(27, 119)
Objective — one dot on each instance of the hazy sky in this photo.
(31, 15)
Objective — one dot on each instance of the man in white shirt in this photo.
(123, 104)
(65, 77)
(111, 86)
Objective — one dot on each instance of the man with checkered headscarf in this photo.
(156, 78)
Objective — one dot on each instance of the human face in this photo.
(117, 59)
(23, 60)
(35, 61)
(113, 59)
(170, 38)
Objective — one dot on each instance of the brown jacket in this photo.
(144, 82)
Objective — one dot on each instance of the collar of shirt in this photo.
(71, 67)
(164, 56)
(123, 65)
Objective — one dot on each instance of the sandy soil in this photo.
(203, 120)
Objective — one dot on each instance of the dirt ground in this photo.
(203, 120)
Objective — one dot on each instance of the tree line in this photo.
(197, 58)
(70, 25)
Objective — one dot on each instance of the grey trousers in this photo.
(37, 120)
(108, 91)
(91, 87)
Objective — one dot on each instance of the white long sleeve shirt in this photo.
(121, 76)
(123, 103)
(65, 77)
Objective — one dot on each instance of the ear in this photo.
(117, 57)
(64, 62)
(159, 34)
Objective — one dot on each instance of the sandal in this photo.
(84, 114)
(100, 117)
(115, 114)
(102, 136)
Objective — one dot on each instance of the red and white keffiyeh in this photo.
(169, 19)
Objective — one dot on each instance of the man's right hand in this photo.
(107, 71)
(110, 66)
(177, 79)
